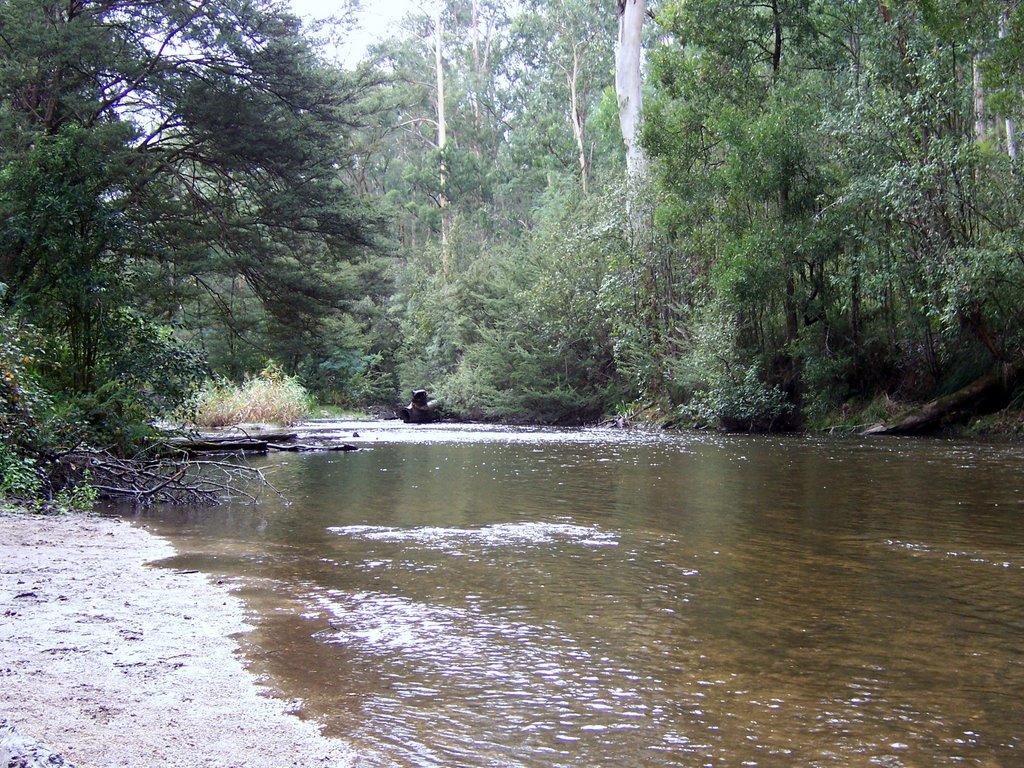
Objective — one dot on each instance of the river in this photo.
(474, 596)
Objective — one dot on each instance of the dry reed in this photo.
(270, 398)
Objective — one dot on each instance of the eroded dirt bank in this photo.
(113, 663)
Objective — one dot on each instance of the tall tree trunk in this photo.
(478, 77)
(980, 125)
(442, 141)
(628, 81)
(789, 301)
(1011, 128)
(777, 40)
(577, 115)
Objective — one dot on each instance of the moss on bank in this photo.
(1003, 424)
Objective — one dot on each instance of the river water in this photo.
(470, 596)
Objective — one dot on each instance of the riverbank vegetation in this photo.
(766, 216)
(271, 397)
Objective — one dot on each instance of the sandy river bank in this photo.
(114, 663)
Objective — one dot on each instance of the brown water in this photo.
(476, 597)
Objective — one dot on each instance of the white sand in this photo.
(113, 663)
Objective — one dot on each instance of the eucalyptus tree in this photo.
(444, 71)
(1003, 72)
(629, 81)
(734, 125)
(564, 64)
(955, 232)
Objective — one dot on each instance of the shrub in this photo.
(726, 383)
(739, 403)
(21, 399)
(19, 476)
(271, 397)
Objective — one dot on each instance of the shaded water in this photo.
(474, 597)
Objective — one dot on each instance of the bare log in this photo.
(420, 410)
(218, 444)
(305, 447)
(986, 393)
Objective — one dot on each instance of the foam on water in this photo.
(522, 534)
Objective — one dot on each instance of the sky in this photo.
(377, 20)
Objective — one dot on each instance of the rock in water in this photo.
(19, 751)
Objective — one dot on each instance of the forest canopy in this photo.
(751, 215)
(825, 223)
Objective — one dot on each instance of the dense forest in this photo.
(771, 214)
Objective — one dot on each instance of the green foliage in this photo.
(158, 210)
(22, 480)
(846, 225)
(741, 401)
(30, 427)
(19, 476)
(720, 386)
(826, 219)
(77, 498)
(1004, 69)
(58, 205)
(523, 334)
(21, 400)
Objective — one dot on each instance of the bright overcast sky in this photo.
(377, 20)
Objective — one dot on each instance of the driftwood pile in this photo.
(184, 470)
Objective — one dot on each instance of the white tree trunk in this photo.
(442, 139)
(578, 117)
(478, 74)
(1011, 128)
(628, 81)
(442, 126)
(980, 126)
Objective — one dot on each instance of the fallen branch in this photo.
(990, 390)
(163, 480)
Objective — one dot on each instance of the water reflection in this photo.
(591, 598)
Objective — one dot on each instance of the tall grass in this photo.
(272, 397)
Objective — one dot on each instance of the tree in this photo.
(152, 153)
(564, 49)
(1003, 74)
(629, 82)
(840, 220)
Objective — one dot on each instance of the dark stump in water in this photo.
(420, 410)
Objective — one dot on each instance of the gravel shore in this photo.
(113, 663)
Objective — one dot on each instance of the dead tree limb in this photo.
(145, 481)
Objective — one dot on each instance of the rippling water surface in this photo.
(462, 596)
